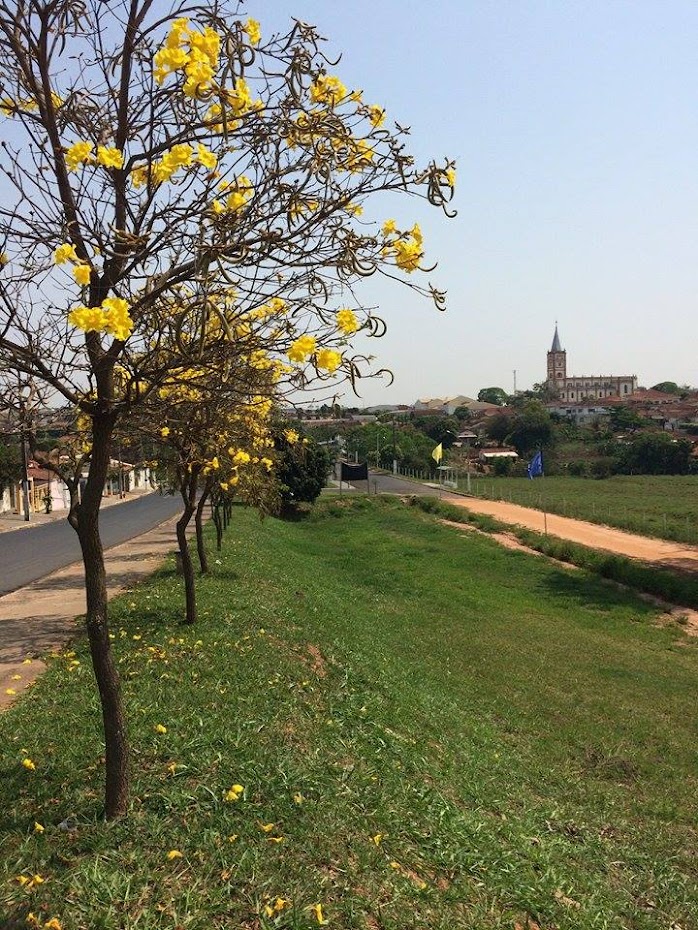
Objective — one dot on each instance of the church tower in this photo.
(557, 364)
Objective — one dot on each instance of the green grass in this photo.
(665, 506)
(675, 586)
(522, 737)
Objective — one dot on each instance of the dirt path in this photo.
(657, 551)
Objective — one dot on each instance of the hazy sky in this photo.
(574, 127)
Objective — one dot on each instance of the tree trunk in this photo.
(199, 521)
(218, 521)
(188, 491)
(96, 620)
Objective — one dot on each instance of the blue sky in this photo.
(574, 126)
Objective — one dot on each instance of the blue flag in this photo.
(535, 466)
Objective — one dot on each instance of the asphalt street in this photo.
(387, 484)
(29, 554)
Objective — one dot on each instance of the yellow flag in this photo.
(438, 453)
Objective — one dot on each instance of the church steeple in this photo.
(557, 365)
(556, 347)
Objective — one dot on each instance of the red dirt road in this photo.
(657, 551)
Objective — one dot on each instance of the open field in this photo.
(653, 505)
(431, 731)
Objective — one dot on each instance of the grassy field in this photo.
(430, 732)
(653, 505)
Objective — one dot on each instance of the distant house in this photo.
(665, 410)
(45, 490)
(488, 456)
(447, 406)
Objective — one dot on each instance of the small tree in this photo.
(152, 160)
(301, 468)
(532, 428)
(10, 466)
(493, 395)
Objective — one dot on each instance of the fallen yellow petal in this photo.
(174, 854)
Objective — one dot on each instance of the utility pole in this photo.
(23, 443)
(122, 493)
(25, 470)
(514, 382)
(394, 450)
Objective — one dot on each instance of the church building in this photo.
(575, 388)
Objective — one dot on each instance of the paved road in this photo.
(29, 554)
(387, 484)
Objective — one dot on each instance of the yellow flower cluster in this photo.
(328, 360)
(9, 107)
(254, 33)
(327, 89)
(239, 457)
(360, 155)
(193, 52)
(291, 436)
(179, 156)
(79, 154)
(206, 157)
(111, 317)
(406, 248)
(242, 191)
(376, 115)
(275, 307)
(110, 157)
(65, 253)
(82, 274)
(301, 350)
(347, 321)
(82, 271)
(306, 346)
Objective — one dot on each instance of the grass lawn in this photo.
(430, 731)
(653, 505)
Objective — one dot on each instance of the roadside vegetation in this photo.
(674, 586)
(376, 723)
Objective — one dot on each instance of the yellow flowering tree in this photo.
(149, 160)
(212, 426)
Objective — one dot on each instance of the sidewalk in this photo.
(10, 521)
(43, 615)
